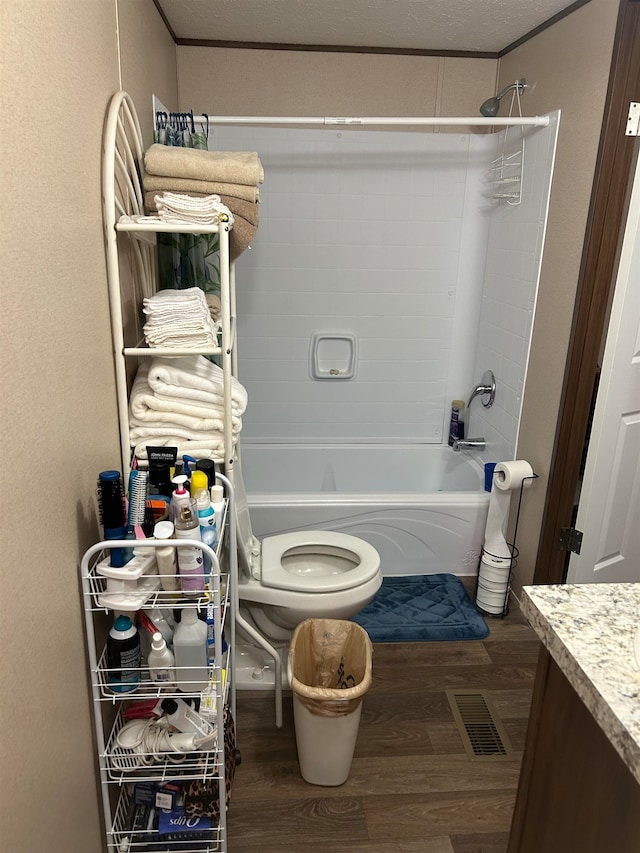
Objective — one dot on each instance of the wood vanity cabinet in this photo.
(576, 794)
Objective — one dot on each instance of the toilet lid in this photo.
(317, 561)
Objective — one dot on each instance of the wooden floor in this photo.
(412, 788)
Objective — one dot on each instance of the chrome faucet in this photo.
(487, 385)
(469, 444)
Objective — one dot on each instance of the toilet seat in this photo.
(317, 561)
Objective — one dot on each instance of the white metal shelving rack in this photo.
(130, 239)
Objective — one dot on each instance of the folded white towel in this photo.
(210, 449)
(146, 408)
(179, 318)
(206, 210)
(193, 378)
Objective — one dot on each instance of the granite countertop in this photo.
(589, 631)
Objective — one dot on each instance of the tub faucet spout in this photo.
(469, 444)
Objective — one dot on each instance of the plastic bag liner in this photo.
(330, 665)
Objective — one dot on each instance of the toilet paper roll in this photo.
(508, 476)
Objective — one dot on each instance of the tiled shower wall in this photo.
(381, 235)
(514, 257)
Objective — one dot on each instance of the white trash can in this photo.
(329, 669)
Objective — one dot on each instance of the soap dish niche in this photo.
(333, 355)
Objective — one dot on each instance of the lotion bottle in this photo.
(179, 497)
(190, 652)
(166, 557)
(190, 560)
(160, 661)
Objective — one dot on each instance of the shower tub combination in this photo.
(422, 507)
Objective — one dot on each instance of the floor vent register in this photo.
(480, 727)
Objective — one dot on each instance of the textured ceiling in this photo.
(438, 25)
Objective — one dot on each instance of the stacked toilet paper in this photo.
(496, 560)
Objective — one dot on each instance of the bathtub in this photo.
(423, 507)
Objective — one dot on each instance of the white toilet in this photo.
(288, 578)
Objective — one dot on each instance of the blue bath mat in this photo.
(421, 608)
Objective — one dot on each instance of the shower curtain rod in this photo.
(427, 121)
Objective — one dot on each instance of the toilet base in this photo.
(255, 669)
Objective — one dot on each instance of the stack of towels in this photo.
(179, 318)
(233, 176)
(179, 402)
(202, 210)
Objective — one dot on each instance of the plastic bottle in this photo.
(190, 652)
(217, 502)
(160, 661)
(179, 497)
(184, 718)
(190, 560)
(123, 656)
(164, 622)
(199, 480)
(207, 522)
(209, 467)
(456, 425)
(166, 557)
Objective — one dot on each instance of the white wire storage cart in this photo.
(130, 238)
(125, 763)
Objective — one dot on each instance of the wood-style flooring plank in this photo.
(421, 816)
(484, 842)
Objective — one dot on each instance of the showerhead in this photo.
(491, 106)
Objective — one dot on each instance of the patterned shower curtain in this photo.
(186, 260)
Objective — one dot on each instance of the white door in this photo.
(609, 505)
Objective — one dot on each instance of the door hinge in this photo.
(570, 540)
(633, 119)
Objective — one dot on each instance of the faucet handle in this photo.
(487, 385)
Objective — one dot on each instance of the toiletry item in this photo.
(211, 643)
(138, 487)
(179, 497)
(161, 662)
(166, 557)
(209, 468)
(217, 502)
(112, 514)
(184, 718)
(199, 480)
(160, 479)
(190, 652)
(123, 656)
(190, 560)
(207, 522)
(164, 622)
(456, 424)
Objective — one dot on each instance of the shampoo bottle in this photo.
(190, 652)
(160, 661)
(456, 424)
(123, 656)
(190, 560)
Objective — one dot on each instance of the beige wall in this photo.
(566, 66)
(299, 83)
(59, 429)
